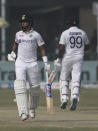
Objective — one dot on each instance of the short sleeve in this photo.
(40, 40)
(16, 39)
(62, 39)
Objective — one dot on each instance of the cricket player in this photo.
(26, 41)
(72, 45)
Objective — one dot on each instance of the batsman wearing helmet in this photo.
(73, 43)
(26, 41)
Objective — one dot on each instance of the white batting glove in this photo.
(12, 56)
(57, 62)
(46, 65)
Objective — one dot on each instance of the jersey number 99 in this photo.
(75, 42)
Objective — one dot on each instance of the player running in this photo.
(73, 43)
(27, 40)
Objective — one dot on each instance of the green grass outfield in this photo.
(85, 118)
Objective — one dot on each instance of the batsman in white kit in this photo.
(73, 43)
(26, 41)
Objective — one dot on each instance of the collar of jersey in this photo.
(73, 27)
(29, 31)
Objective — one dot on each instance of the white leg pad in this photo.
(75, 93)
(64, 91)
(34, 96)
(21, 96)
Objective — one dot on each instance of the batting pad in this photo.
(64, 91)
(75, 93)
(21, 96)
(34, 95)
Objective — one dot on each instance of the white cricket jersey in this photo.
(74, 40)
(27, 45)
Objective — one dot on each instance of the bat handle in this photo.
(48, 87)
(48, 91)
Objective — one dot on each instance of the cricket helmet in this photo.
(28, 19)
(72, 21)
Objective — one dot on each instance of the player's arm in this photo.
(41, 44)
(43, 52)
(62, 42)
(86, 48)
(86, 41)
(44, 57)
(61, 50)
(57, 62)
(15, 46)
(12, 55)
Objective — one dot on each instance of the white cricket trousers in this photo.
(73, 66)
(27, 70)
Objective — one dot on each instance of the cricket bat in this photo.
(49, 99)
(52, 76)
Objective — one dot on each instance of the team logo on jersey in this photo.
(21, 35)
(23, 17)
(25, 41)
(30, 35)
(41, 41)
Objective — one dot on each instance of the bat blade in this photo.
(50, 109)
(52, 76)
(49, 99)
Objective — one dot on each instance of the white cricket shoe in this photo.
(24, 117)
(32, 113)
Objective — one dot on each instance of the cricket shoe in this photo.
(24, 117)
(74, 104)
(63, 105)
(32, 113)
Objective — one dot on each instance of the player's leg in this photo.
(75, 90)
(20, 90)
(34, 96)
(64, 84)
(34, 92)
(64, 92)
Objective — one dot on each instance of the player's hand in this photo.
(47, 67)
(12, 56)
(57, 62)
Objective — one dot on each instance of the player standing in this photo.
(27, 40)
(73, 43)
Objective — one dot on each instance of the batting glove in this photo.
(57, 62)
(46, 65)
(12, 56)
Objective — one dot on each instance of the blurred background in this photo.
(49, 20)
